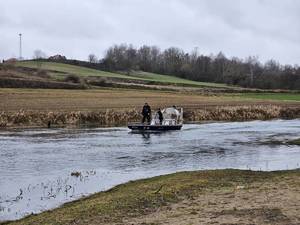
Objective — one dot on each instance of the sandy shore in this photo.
(204, 197)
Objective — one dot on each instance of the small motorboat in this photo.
(172, 120)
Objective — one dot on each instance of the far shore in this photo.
(114, 107)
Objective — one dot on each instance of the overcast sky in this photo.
(264, 28)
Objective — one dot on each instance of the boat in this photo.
(172, 120)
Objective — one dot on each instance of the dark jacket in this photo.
(146, 110)
(160, 115)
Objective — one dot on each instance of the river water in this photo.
(36, 164)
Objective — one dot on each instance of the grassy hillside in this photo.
(141, 76)
(70, 69)
(272, 96)
(172, 79)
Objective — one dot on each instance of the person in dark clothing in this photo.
(160, 116)
(146, 112)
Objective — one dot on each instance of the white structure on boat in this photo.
(171, 116)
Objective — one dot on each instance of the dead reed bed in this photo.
(239, 113)
(112, 117)
(34, 118)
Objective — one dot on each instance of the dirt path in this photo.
(267, 203)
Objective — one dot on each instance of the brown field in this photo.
(117, 99)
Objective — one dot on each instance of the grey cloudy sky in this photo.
(75, 28)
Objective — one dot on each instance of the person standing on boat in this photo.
(146, 112)
(160, 116)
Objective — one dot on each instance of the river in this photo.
(36, 164)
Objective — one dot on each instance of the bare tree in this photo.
(252, 62)
(249, 72)
(38, 55)
(92, 58)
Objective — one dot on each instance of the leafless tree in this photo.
(249, 72)
(38, 55)
(92, 58)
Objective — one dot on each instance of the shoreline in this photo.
(162, 199)
(110, 117)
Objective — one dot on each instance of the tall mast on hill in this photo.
(20, 47)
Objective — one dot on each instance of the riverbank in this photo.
(111, 107)
(294, 142)
(112, 117)
(201, 197)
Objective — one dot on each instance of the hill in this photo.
(60, 71)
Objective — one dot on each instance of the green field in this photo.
(138, 75)
(172, 79)
(70, 69)
(272, 96)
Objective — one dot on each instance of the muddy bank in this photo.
(201, 197)
(111, 117)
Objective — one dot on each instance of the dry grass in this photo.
(89, 100)
(112, 117)
(239, 113)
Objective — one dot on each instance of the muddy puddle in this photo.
(41, 169)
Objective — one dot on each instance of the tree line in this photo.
(249, 72)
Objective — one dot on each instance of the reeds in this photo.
(239, 113)
(112, 117)
(33, 118)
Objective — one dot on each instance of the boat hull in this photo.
(144, 127)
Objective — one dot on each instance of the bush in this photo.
(101, 82)
(43, 74)
(72, 78)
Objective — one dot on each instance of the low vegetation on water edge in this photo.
(139, 198)
(122, 117)
(294, 142)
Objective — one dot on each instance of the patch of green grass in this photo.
(71, 69)
(294, 142)
(138, 75)
(175, 80)
(141, 197)
(272, 96)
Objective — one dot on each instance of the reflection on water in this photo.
(36, 164)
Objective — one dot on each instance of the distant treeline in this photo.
(249, 72)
